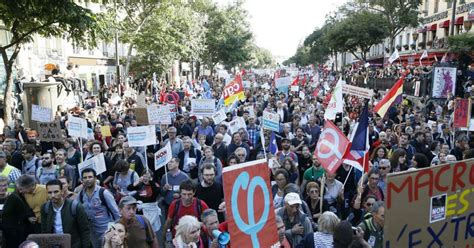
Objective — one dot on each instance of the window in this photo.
(427, 7)
(436, 5)
(400, 40)
(408, 39)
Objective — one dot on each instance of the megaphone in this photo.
(223, 238)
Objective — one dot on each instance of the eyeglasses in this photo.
(383, 167)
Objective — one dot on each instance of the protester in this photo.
(8, 171)
(188, 233)
(297, 224)
(324, 236)
(373, 227)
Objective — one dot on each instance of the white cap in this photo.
(292, 198)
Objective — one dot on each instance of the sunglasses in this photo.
(383, 168)
(369, 204)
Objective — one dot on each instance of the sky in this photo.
(280, 25)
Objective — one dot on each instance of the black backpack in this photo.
(102, 199)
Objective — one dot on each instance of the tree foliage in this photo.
(23, 19)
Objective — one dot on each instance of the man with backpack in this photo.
(187, 204)
(139, 231)
(60, 215)
(99, 204)
(373, 227)
(31, 162)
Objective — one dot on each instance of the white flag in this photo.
(443, 59)
(424, 55)
(163, 156)
(394, 56)
(335, 104)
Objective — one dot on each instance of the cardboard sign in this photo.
(141, 115)
(105, 131)
(271, 121)
(77, 127)
(203, 107)
(462, 113)
(51, 240)
(332, 146)
(97, 163)
(233, 90)
(249, 202)
(41, 114)
(357, 91)
(237, 124)
(430, 206)
(141, 136)
(219, 117)
(50, 132)
(163, 156)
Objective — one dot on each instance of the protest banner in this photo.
(444, 81)
(97, 163)
(41, 114)
(237, 124)
(295, 88)
(219, 116)
(163, 156)
(282, 84)
(105, 131)
(332, 146)
(141, 136)
(431, 207)
(77, 127)
(141, 115)
(462, 113)
(357, 91)
(248, 198)
(233, 90)
(50, 132)
(203, 107)
(271, 121)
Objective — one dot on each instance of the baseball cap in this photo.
(127, 200)
(292, 198)
(3, 154)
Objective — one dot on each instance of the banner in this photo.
(357, 91)
(462, 113)
(77, 127)
(97, 163)
(249, 202)
(41, 114)
(233, 90)
(444, 81)
(335, 104)
(331, 148)
(219, 117)
(203, 107)
(237, 124)
(141, 136)
(271, 121)
(163, 156)
(283, 84)
(431, 207)
(50, 132)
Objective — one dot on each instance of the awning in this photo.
(433, 27)
(421, 30)
(459, 21)
(444, 24)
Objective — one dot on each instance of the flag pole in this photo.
(321, 197)
(262, 139)
(347, 177)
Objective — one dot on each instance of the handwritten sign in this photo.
(357, 91)
(271, 121)
(41, 114)
(141, 136)
(248, 198)
(77, 127)
(50, 132)
(97, 163)
(203, 107)
(437, 206)
(237, 124)
(142, 116)
(219, 117)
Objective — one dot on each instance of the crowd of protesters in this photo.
(42, 190)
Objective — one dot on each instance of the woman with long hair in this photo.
(398, 160)
(188, 233)
(379, 153)
(290, 167)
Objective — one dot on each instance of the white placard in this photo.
(141, 101)
(77, 127)
(203, 107)
(250, 110)
(219, 117)
(295, 88)
(357, 91)
(237, 124)
(163, 156)
(271, 121)
(41, 114)
(282, 82)
(141, 136)
(97, 163)
(444, 81)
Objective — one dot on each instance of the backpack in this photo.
(178, 205)
(368, 228)
(73, 208)
(102, 200)
(144, 224)
(131, 177)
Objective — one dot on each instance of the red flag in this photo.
(295, 82)
(304, 81)
(331, 148)
(316, 92)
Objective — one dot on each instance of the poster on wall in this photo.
(430, 207)
(444, 81)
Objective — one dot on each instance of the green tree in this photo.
(260, 58)
(319, 50)
(23, 19)
(398, 14)
(301, 58)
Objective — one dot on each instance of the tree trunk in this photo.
(198, 68)
(8, 95)
(129, 60)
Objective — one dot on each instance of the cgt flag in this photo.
(331, 148)
(249, 205)
(233, 90)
